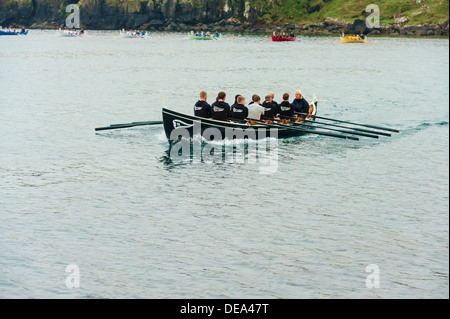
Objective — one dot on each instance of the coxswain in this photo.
(300, 105)
(202, 108)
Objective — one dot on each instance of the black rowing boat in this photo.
(178, 124)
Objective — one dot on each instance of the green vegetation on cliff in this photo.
(315, 11)
(264, 12)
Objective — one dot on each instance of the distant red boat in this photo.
(283, 38)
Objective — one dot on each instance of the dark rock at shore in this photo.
(15, 13)
(360, 27)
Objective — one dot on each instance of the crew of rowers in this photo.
(206, 34)
(73, 31)
(355, 36)
(10, 30)
(284, 35)
(136, 32)
(267, 111)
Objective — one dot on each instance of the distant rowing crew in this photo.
(299, 110)
(133, 34)
(13, 31)
(205, 34)
(71, 33)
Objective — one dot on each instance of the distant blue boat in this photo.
(13, 33)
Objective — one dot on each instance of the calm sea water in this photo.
(336, 217)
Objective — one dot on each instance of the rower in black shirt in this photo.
(270, 107)
(202, 108)
(235, 101)
(220, 110)
(239, 111)
(286, 108)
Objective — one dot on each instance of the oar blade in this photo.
(126, 125)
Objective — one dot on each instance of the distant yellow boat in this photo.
(352, 39)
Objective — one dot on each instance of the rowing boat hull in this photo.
(347, 40)
(194, 37)
(132, 36)
(283, 39)
(68, 35)
(173, 120)
(13, 33)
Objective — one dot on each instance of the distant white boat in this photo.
(133, 34)
(70, 33)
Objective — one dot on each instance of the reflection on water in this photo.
(262, 153)
(203, 219)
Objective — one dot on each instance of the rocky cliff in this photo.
(300, 16)
(114, 14)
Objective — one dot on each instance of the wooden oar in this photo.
(290, 127)
(323, 128)
(351, 128)
(347, 122)
(336, 130)
(327, 128)
(125, 125)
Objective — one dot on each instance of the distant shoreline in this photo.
(426, 31)
(404, 18)
(328, 27)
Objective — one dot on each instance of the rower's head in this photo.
(268, 98)
(236, 98)
(221, 96)
(286, 97)
(240, 100)
(203, 96)
(256, 99)
(272, 95)
(298, 94)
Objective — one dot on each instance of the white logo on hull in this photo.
(178, 123)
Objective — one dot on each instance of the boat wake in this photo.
(427, 125)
